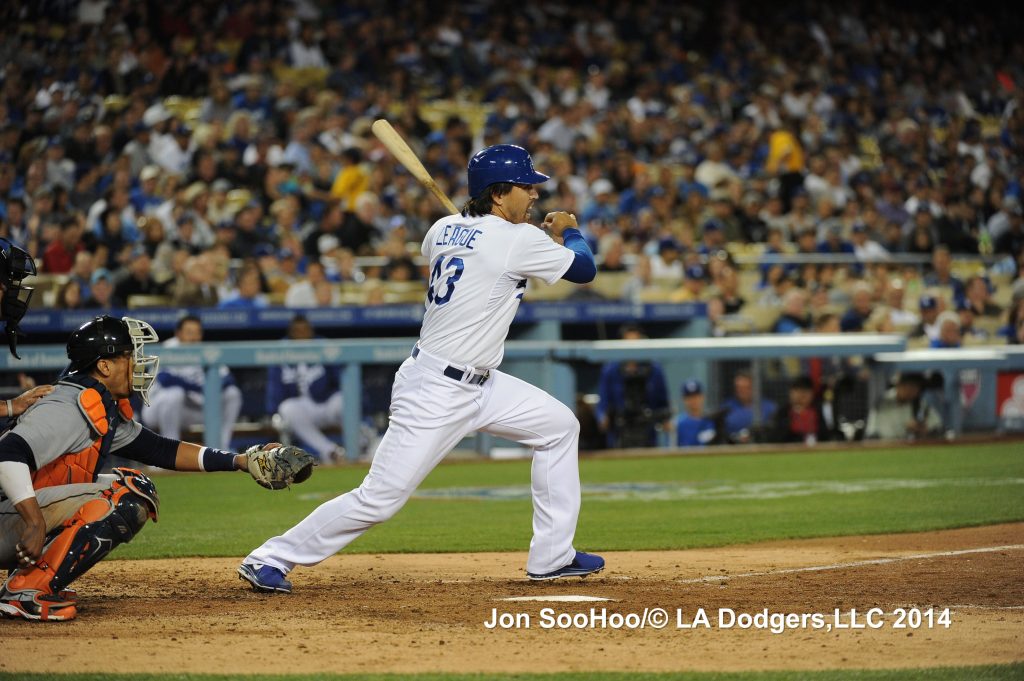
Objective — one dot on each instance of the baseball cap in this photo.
(220, 185)
(927, 302)
(692, 387)
(667, 244)
(859, 227)
(713, 225)
(149, 172)
(101, 273)
(601, 186)
(695, 272)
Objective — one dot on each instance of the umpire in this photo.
(16, 265)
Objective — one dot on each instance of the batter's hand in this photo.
(28, 398)
(558, 221)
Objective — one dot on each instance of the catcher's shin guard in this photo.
(95, 530)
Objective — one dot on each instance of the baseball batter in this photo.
(451, 387)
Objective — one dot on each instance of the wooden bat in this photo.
(390, 138)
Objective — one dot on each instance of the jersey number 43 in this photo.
(445, 286)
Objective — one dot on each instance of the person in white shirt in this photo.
(864, 247)
(480, 262)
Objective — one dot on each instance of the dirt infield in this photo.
(406, 613)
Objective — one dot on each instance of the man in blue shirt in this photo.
(633, 399)
(693, 427)
(739, 410)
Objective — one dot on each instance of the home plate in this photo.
(557, 599)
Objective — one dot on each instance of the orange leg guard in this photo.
(88, 536)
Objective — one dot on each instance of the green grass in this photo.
(228, 515)
(986, 673)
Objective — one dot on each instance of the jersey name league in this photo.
(478, 272)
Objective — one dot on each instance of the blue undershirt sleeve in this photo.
(583, 268)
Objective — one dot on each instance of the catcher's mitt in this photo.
(277, 466)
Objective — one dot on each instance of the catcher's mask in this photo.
(15, 265)
(109, 337)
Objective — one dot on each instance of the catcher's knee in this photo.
(98, 527)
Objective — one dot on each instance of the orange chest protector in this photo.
(102, 414)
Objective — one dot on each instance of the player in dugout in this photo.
(58, 515)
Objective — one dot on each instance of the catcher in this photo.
(58, 516)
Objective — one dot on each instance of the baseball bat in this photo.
(390, 138)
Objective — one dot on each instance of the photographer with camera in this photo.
(633, 400)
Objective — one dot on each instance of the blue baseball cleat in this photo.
(582, 565)
(264, 578)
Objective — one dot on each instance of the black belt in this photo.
(458, 374)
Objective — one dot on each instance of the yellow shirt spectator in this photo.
(350, 183)
(784, 153)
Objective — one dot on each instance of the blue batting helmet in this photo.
(501, 163)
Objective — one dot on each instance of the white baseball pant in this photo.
(430, 414)
(170, 410)
(305, 419)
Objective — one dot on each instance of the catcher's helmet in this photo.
(501, 163)
(108, 336)
(15, 265)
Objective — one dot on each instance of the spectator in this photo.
(930, 307)
(860, 309)
(633, 399)
(801, 419)
(949, 331)
(977, 296)
(307, 397)
(1009, 239)
(941, 275)
(612, 249)
(81, 272)
(900, 317)
(61, 253)
(864, 248)
(794, 318)
(101, 296)
(302, 293)
(666, 265)
(693, 288)
(177, 396)
(69, 296)
(728, 290)
(249, 294)
(195, 286)
(968, 330)
(140, 280)
(694, 428)
(903, 413)
(641, 283)
(351, 180)
(739, 411)
(304, 51)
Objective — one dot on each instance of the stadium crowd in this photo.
(214, 153)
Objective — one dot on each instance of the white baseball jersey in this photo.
(478, 271)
